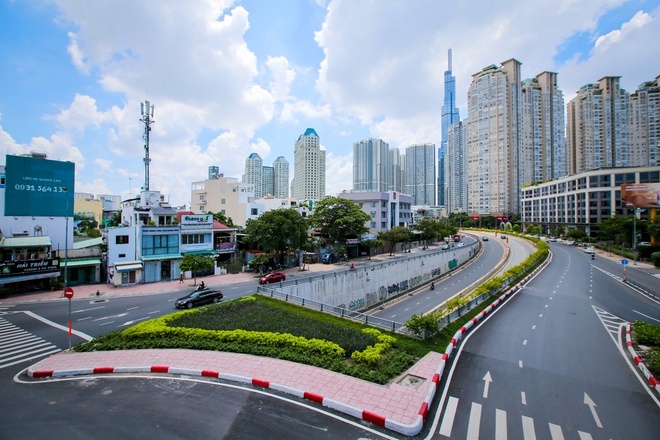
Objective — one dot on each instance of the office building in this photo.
(371, 167)
(309, 167)
(494, 126)
(450, 116)
(420, 174)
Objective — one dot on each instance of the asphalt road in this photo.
(548, 365)
(163, 408)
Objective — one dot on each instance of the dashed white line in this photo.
(523, 398)
(534, 327)
(474, 422)
(520, 364)
(525, 342)
(528, 428)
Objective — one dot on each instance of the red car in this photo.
(273, 277)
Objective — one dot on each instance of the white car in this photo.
(589, 250)
(461, 244)
(445, 247)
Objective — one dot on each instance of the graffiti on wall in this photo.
(453, 264)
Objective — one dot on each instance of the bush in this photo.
(654, 361)
(646, 334)
(655, 259)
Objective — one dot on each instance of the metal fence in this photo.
(341, 312)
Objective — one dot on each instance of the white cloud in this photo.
(640, 19)
(339, 173)
(77, 58)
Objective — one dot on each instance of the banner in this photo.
(641, 195)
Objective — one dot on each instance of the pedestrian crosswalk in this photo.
(505, 426)
(18, 345)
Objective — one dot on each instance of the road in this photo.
(549, 365)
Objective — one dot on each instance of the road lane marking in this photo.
(525, 342)
(448, 419)
(555, 432)
(523, 398)
(474, 422)
(132, 308)
(541, 315)
(500, 425)
(650, 317)
(534, 327)
(585, 435)
(86, 310)
(528, 428)
(487, 380)
(520, 364)
(592, 406)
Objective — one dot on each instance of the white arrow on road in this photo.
(592, 407)
(487, 379)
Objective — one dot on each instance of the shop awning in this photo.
(86, 262)
(161, 257)
(206, 252)
(128, 267)
(23, 242)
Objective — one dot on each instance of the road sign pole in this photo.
(68, 292)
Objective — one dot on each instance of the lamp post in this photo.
(66, 239)
(634, 237)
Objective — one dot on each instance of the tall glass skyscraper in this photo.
(450, 116)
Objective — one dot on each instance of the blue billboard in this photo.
(38, 187)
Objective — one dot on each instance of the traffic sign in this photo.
(68, 292)
(624, 262)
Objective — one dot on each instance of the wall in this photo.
(362, 288)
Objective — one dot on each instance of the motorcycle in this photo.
(432, 286)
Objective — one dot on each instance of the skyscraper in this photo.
(254, 173)
(450, 116)
(644, 149)
(597, 127)
(543, 146)
(281, 178)
(494, 126)
(398, 164)
(371, 165)
(456, 169)
(420, 174)
(309, 167)
(273, 180)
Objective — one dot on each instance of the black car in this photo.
(198, 297)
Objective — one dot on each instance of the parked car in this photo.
(445, 247)
(273, 277)
(329, 258)
(198, 297)
(552, 239)
(484, 238)
(590, 250)
(461, 244)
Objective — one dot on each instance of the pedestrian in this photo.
(181, 278)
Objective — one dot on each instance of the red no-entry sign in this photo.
(68, 292)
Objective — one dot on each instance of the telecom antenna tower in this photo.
(147, 111)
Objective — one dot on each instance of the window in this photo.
(192, 239)
(201, 196)
(122, 255)
(222, 201)
(160, 244)
(121, 239)
(254, 211)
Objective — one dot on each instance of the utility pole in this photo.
(147, 111)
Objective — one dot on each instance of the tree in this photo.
(86, 225)
(371, 244)
(397, 234)
(222, 218)
(195, 264)
(115, 220)
(339, 219)
(277, 231)
(431, 229)
(653, 228)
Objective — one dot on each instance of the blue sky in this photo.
(229, 78)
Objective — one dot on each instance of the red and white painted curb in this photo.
(409, 429)
(652, 380)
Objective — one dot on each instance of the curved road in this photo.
(550, 364)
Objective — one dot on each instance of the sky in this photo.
(230, 78)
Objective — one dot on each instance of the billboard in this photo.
(641, 195)
(38, 187)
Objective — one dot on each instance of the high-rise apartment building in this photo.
(644, 116)
(494, 126)
(420, 174)
(450, 116)
(281, 178)
(371, 167)
(543, 148)
(309, 167)
(398, 165)
(597, 127)
(456, 169)
(267, 180)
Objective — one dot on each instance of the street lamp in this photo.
(66, 238)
